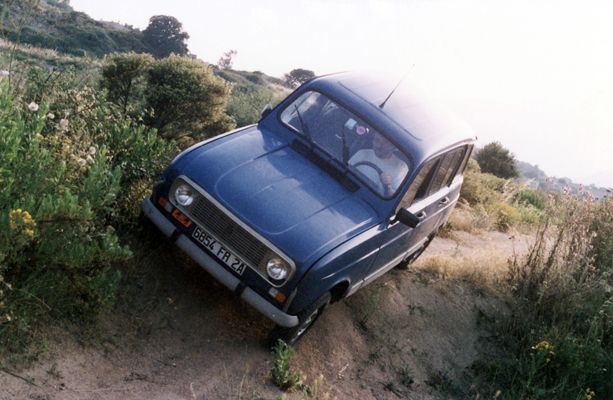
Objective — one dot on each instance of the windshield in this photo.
(375, 160)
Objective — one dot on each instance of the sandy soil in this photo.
(178, 334)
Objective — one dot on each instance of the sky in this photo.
(535, 75)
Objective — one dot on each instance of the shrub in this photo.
(178, 96)
(56, 252)
(561, 327)
(506, 215)
(71, 174)
(480, 188)
(246, 108)
(531, 197)
(123, 76)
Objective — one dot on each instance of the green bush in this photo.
(72, 173)
(506, 215)
(480, 188)
(246, 107)
(531, 197)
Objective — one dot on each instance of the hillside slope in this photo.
(181, 335)
(54, 25)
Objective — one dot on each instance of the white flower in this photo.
(50, 116)
(92, 150)
(33, 107)
(64, 124)
(82, 162)
(90, 159)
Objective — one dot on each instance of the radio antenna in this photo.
(390, 95)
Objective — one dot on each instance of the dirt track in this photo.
(180, 335)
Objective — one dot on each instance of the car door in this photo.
(397, 238)
(429, 197)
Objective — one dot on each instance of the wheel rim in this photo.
(306, 325)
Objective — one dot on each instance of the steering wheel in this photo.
(369, 164)
(376, 168)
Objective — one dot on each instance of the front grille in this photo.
(205, 213)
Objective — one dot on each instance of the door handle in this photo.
(444, 201)
(421, 215)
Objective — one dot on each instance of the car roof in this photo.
(409, 117)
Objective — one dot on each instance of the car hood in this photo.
(279, 193)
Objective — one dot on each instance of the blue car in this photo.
(349, 177)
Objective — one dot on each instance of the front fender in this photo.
(346, 264)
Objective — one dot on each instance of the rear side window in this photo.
(469, 150)
(448, 167)
(436, 174)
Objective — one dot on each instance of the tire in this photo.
(306, 319)
(404, 265)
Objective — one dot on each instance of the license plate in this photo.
(222, 254)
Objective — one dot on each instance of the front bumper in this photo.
(215, 269)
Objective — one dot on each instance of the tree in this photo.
(297, 77)
(165, 36)
(225, 62)
(186, 99)
(123, 76)
(495, 159)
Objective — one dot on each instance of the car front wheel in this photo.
(306, 319)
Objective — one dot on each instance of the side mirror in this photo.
(407, 218)
(267, 110)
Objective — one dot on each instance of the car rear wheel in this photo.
(306, 319)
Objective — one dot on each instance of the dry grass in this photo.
(464, 218)
(486, 270)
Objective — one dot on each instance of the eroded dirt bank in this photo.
(180, 335)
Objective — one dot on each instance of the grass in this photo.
(486, 270)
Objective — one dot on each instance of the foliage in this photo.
(71, 174)
(123, 76)
(225, 62)
(496, 160)
(483, 188)
(246, 106)
(165, 36)
(531, 197)
(186, 99)
(178, 96)
(281, 373)
(251, 91)
(506, 215)
(561, 327)
(297, 77)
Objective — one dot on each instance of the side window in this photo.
(448, 167)
(420, 184)
(464, 162)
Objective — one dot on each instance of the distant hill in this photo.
(57, 26)
(602, 178)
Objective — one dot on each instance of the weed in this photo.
(560, 329)
(406, 377)
(243, 389)
(54, 372)
(281, 373)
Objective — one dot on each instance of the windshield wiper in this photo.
(345, 150)
(305, 127)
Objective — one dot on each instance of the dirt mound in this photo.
(177, 334)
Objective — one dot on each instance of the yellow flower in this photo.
(28, 232)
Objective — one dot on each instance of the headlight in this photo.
(276, 269)
(184, 195)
